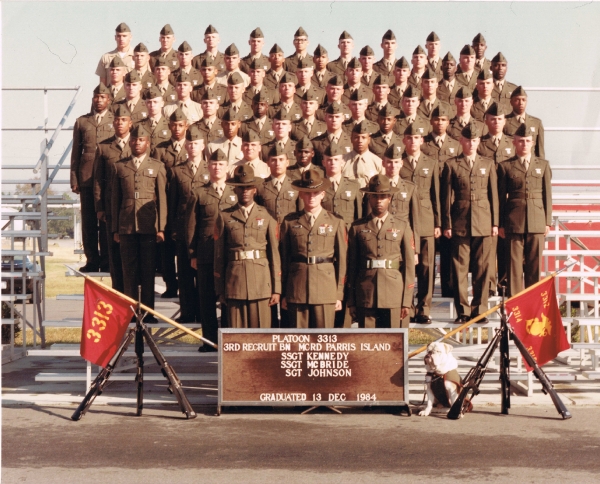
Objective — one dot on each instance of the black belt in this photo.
(313, 259)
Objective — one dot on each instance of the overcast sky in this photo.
(547, 45)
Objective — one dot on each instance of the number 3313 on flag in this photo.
(101, 317)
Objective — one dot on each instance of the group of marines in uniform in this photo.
(300, 192)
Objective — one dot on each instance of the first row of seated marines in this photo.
(175, 186)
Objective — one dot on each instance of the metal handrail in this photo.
(57, 130)
(50, 179)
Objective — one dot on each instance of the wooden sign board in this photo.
(297, 367)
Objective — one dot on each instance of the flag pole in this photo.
(144, 307)
(489, 311)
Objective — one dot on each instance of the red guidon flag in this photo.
(105, 320)
(537, 322)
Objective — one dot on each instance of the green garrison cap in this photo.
(139, 131)
(122, 27)
(117, 62)
(413, 129)
(243, 176)
(140, 48)
(471, 131)
(382, 79)
(276, 49)
(162, 62)
(311, 95)
(419, 50)
(300, 33)
(336, 81)
(479, 39)
(334, 149)
(393, 152)
(185, 47)
(463, 93)
(277, 150)
(251, 136)
(218, 156)
(358, 95)
(484, 74)
(257, 34)
(367, 51)
(361, 128)
(304, 144)
(499, 57)
(257, 64)
(519, 91)
(524, 130)
(235, 79)
(354, 64)
(345, 35)
(441, 110)
(122, 111)
(496, 109)
(183, 77)
(411, 91)
(132, 77)
(305, 63)
(262, 97)
(432, 37)
(429, 74)
(208, 62)
(312, 181)
(167, 30)
(230, 115)
(389, 35)
(232, 50)
(282, 115)
(467, 50)
(402, 63)
(102, 89)
(194, 133)
(210, 30)
(178, 115)
(386, 111)
(209, 95)
(380, 185)
(320, 51)
(152, 93)
(449, 58)
(288, 78)
(334, 108)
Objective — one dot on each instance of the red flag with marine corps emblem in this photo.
(105, 320)
(536, 320)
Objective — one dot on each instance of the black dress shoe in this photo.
(88, 268)
(482, 321)
(422, 319)
(413, 319)
(168, 294)
(207, 349)
(462, 319)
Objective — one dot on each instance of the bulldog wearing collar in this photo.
(443, 381)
